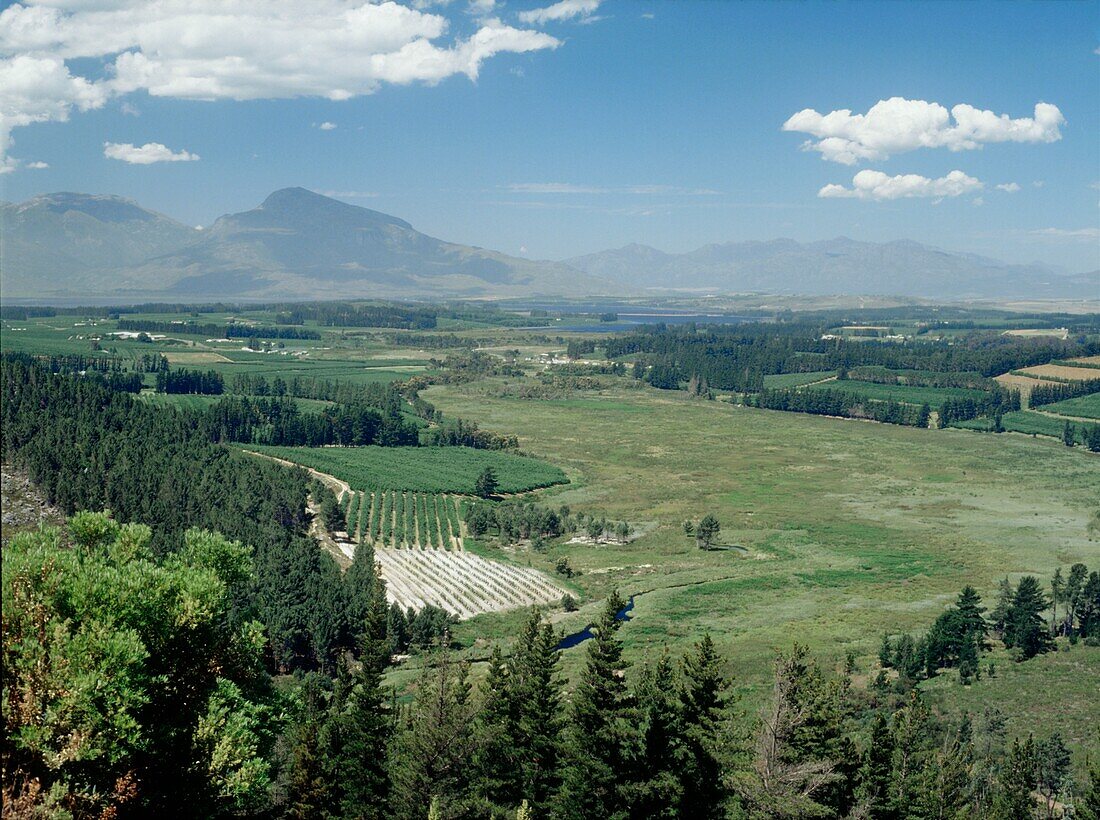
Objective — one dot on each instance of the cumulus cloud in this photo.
(38, 165)
(562, 10)
(145, 154)
(327, 126)
(39, 89)
(1009, 187)
(214, 50)
(897, 125)
(877, 186)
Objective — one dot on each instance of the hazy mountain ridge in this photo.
(836, 266)
(301, 245)
(296, 244)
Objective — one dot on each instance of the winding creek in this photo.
(571, 640)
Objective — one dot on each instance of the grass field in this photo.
(198, 402)
(1057, 372)
(1083, 406)
(896, 392)
(851, 528)
(426, 469)
(783, 380)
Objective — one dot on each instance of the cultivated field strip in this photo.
(462, 583)
(404, 519)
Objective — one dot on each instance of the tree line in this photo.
(147, 693)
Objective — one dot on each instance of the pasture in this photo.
(1087, 407)
(849, 528)
(897, 392)
(424, 469)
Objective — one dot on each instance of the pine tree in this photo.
(307, 789)
(705, 704)
(875, 771)
(1052, 769)
(535, 688)
(1025, 630)
(1005, 593)
(1069, 435)
(1088, 807)
(1013, 800)
(969, 605)
(434, 749)
(657, 788)
(596, 767)
(946, 784)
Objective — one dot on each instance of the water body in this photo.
(569, 641)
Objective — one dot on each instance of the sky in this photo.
(549, 130)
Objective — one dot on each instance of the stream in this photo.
(571, 640)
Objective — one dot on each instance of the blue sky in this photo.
(587, 127)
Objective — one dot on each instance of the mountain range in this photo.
(301, 245)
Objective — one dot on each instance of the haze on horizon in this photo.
(551, 131)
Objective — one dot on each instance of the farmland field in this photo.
(427, 469)
(1020, 421)
(462, 583)
(1057, 372)
(1083, 406)
(436, 517)
(782, 380)
(899, 393)
(851, 529)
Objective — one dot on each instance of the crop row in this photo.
(422, 469)
(462, 583)
(393, 518)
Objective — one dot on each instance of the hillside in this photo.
(836, 266)
(296, 244)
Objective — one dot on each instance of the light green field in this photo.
(851, 528)
(198, 402)
(427, 469)
(898, 392)
(782, 380)
(1025, 421)
(1083, 406)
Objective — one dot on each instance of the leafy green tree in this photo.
(121, 672)
(1025, 630)
(1069, 435)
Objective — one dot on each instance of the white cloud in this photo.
(877, 186)
(240, 50)
(897, 125)
(1039, 183)
(562, 10)
(1079, 234)
(129, 110)
(481, 8)
(38, 165)
(145, 154)
(327, 126)
(978, 201)
(648, 15)
(1008, 187)
(39, 89)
